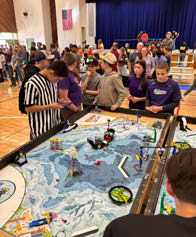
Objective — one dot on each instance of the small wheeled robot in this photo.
(103, 143)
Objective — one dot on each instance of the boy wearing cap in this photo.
(163, 94)
(90, 83)
(111, 90)
(168, 41)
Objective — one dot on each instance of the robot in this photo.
(103, 143)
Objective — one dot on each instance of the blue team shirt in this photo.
(163, 93)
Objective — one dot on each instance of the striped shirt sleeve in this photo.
(31, 94)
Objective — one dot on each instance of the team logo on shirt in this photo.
(159, 92)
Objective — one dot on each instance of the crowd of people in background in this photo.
(91, 76)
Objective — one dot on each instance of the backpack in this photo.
(32, 71)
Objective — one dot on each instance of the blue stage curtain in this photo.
(123, 19)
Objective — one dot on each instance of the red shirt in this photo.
(90, 52)
(144, 37)
(114, 68)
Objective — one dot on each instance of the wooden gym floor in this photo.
(14, 130)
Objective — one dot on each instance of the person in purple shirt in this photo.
(163, 94)
(137, 84)
(69, 91)
(159, 56)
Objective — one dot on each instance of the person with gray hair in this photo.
(133, 55)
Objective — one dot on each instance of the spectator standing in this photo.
(66, 50)
(90, 83)
(80, 51)
(33, 51)
(133, 56)
(122, 65)
(183, 48)
(167, 54)
(111, 90)
(100, 46)
(39, 45)
(21, 59)
(14, 63)
(54, 52)
(144, 37)
(90, 51)
(168, 41)
(150, 64)
(74, 49)
(127, 48)
(69, 90)
(114, 50)
(137, 84)
(159, 57)
(163, 94)
(8, 57)
(33, 44)
(2, 62)
(150, 50)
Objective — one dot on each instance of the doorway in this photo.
(83, 30)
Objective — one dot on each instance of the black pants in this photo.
(85, 106)
(124, 81)
(1, 76)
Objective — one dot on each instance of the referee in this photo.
(40, 102)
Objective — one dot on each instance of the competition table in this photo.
(159, 201)
(47, 197)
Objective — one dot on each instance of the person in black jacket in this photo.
(41, 62)
(181, 184)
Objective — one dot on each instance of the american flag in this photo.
(67, 19)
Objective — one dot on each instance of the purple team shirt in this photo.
(133, 84)
(163, 93)
(74, 92)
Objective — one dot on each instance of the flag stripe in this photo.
(67, 19)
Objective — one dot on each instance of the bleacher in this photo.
(182, 71)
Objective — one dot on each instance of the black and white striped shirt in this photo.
(40, 91)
